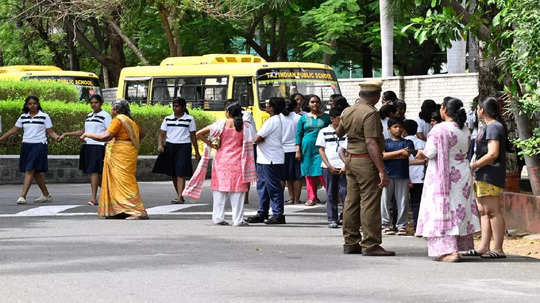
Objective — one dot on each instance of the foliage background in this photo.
(42, 89)
(69, 117)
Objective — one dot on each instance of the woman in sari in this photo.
(120, 197)
(448, 214)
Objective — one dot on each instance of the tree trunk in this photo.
(106, 80)
(533, 164)
(72, 50)
(1, 58)
(129, 43)
(473, 51)
(327, 58)
(387, 38)
(367, 61)
(117, 56)
(167, 28)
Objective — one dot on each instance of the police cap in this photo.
(370, 86)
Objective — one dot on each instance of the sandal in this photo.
(310, 203)
(92, 203)
(222, 223)
(492, 255)
(289, 202)
(453, 257)
(471, 253)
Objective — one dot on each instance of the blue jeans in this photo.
(335, 185)
(269, 189)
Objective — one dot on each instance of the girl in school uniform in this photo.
(93, 152)
(33, 160)
(178, 132)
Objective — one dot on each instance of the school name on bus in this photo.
(73, 82)
(299, 75)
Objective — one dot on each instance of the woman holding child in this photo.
(448, 214)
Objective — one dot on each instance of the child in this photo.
(332, 166)
(416, 167)
(174, 159)
(396, 164)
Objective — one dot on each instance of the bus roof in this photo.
(240, 69)
(212, 59)
(18, 74)
(26, 68)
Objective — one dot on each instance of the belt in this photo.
(359, 155)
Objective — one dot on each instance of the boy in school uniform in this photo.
(416, 168)
(333, 168)
(396, 163)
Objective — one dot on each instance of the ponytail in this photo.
(235, 110)
(455, 110)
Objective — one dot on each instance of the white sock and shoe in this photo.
(21, 200)
(43, 199)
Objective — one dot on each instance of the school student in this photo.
(178, 132)
(292, 174)
(93, 152)
(416, 167)
(270, 160)
(396, 163)
(33, 160)
(333, 168)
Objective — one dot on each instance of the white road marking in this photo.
(301, 207)
(166, 209)
(50, 210)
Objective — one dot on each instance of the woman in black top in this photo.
(490, 174)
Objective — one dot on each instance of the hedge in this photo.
(67, 117)
(45, 90)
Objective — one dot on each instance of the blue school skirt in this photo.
(33, 157)
(175, 161)
(291, 170)
(91, 158)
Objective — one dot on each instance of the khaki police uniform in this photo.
(363, 202)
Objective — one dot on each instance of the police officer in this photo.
(365, 173)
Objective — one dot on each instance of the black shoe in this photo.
(276, 220)
(258, 218)
(352, 249)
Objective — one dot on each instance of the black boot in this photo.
(258, 218)
(276, 220)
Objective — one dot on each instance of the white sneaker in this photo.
(43, 199)
(21, 200)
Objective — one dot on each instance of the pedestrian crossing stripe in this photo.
(58, 210)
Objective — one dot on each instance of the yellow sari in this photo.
(119, 189)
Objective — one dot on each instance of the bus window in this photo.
(137, 91)
(191, 90)
(215, 93)
(163, 90)
(243, 91)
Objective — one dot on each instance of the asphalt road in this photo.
(178, 256)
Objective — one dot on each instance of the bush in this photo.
(44, 90)
(67, 117)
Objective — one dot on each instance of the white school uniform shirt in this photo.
(178, 129)
(416, 172)
(328, 139)
(423, 126)
(290, 123)
(34, 127)
(385, 131)
(96, 123)
(270, 151)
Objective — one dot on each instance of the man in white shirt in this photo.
(270, 160)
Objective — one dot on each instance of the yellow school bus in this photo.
(86, 83)
(208, 81)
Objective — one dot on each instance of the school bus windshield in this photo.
(283, 82)
(85, 85)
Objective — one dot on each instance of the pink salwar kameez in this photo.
(448, 216)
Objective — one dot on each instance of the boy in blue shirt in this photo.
(396, 163)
